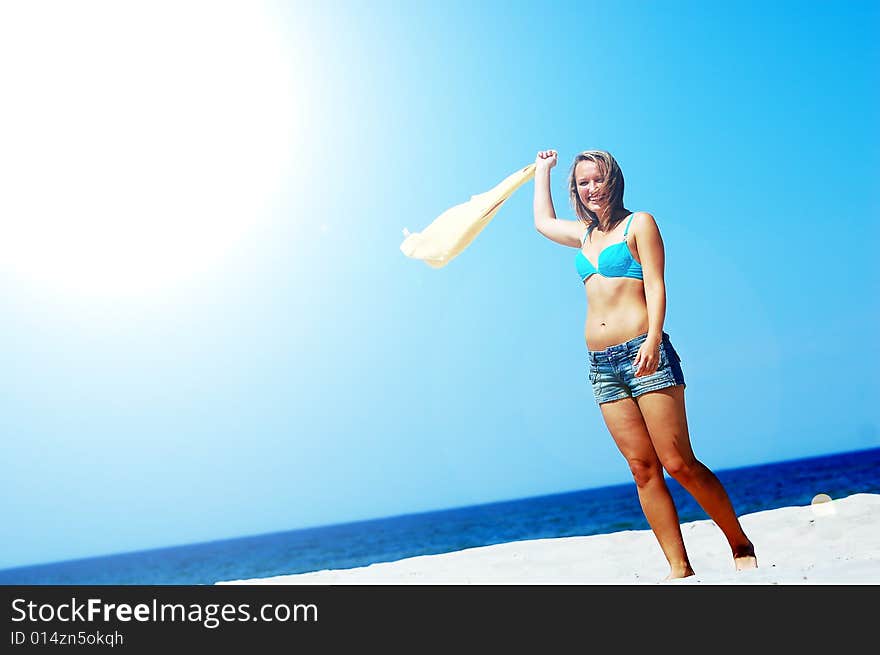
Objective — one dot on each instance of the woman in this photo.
(634, 370)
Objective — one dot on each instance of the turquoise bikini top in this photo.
(615, 260)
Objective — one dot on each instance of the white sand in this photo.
(836, 542)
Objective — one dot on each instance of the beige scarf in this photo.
(454, 230)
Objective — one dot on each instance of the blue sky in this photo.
(311, 374)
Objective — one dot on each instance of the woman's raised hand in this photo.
(545, 160)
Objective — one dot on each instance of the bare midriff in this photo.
(616, 310)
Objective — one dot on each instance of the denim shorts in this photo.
(612, 372)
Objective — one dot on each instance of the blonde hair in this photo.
(613, 186)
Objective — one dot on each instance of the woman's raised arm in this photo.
(568, 233)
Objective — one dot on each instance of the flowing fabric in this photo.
(454, 230)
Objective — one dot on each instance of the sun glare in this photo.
(140, 141)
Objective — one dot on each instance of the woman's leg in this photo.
(664, 414)
(628, 429)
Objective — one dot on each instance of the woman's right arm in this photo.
(568, 233)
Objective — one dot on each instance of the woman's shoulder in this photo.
(639, 218)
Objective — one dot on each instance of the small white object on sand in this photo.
(831, 542)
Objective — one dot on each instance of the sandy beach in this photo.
(833, 542)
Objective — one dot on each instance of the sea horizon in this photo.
(593, 510)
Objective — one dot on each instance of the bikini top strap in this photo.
(626, 230)
(586, 234)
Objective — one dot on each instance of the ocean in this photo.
(586, 512)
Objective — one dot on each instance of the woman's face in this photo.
(590, 186)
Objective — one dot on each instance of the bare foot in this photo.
(677, 572)
(744, 557)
